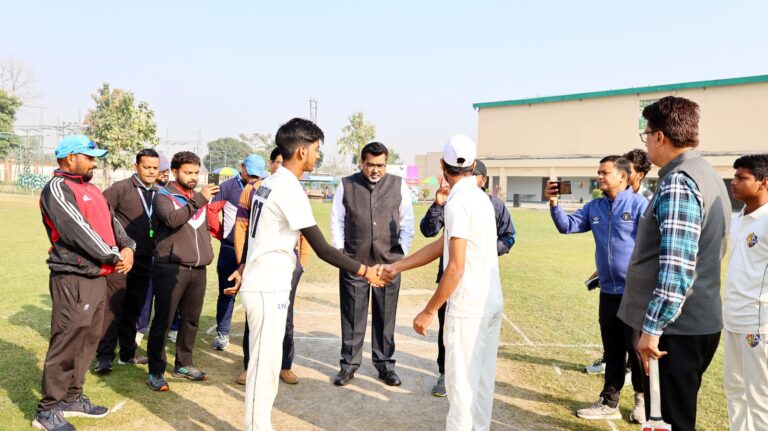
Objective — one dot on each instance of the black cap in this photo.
(480, 169)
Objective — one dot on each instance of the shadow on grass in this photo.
(539, 360)
(175, 410)
(533, 420)
(17, 383)
(35, 317)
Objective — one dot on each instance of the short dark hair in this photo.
(273, 155)
(677, 118)
(755, 163)
(621, 164)
(639, 158)
(184, 157)
(295, 133)
(375, 149)
(455, 171)
(146, 152)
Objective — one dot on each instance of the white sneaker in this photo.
(597, 367)
(638, 411)
(599, 410)
(172, 336)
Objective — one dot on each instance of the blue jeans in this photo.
(225, 303)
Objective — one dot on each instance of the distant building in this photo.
(523, 142)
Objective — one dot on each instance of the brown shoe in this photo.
(289, 377)
(240, 380)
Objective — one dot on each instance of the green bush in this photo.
(597, 194)
(29, 180)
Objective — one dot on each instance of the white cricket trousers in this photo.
(266, 313)
(745, 375)
(471, 345)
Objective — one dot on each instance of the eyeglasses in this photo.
(644, 135)
(380, 166)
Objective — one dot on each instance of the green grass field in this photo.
(544, 295)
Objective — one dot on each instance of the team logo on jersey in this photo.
(626, 216)
(753, 340)
(596, 219)
(751, 240)
(86, 198)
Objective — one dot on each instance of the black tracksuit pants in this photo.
(126, 294)
(617, 343)
(176, 287)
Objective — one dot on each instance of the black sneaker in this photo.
(343, 378)
(136, 360)
(192, 373)
(157, 383)
(51, 420)
(82, 407)
(103, 366)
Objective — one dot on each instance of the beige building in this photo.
(523, 142)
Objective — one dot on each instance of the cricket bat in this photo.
(655, 421)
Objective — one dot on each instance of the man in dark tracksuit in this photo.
(182, 252)
(431, 225)
(131, 200)
(87, 243)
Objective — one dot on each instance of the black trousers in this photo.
(440, 343)
(76, 315)
(289, 351)
(125, 300)
(176, 287)
(680, 372)
(354, 294)
(617, 343)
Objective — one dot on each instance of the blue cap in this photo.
(255, 166)
(78, 144)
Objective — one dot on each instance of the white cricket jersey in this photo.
(469, 215)
(745, 309)
(280, 209)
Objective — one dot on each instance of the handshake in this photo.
(381, 274)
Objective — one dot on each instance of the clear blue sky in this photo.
(413, 67)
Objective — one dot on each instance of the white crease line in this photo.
(512, 324)
(512, 427)
(612, 425)
(213, 328)
(576, 346)
(117, 406)
(558, 371)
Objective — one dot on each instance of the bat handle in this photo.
(655, 391)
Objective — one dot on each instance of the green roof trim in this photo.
(625, 91)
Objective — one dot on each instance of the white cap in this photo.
(460, 151)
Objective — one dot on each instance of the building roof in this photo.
(624, 91)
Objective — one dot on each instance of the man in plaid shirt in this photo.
(672, 291)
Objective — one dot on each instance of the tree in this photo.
(120, 126)
(18, 79)
(355, 135)
(8, 107)
(319, 161)
(394, 157)
(261, 143)
(225, 152)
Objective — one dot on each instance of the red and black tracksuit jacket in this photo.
(85, 236)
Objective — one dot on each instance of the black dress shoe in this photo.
(343, 378)
(390, 378)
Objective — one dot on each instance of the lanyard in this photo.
(147, 209)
